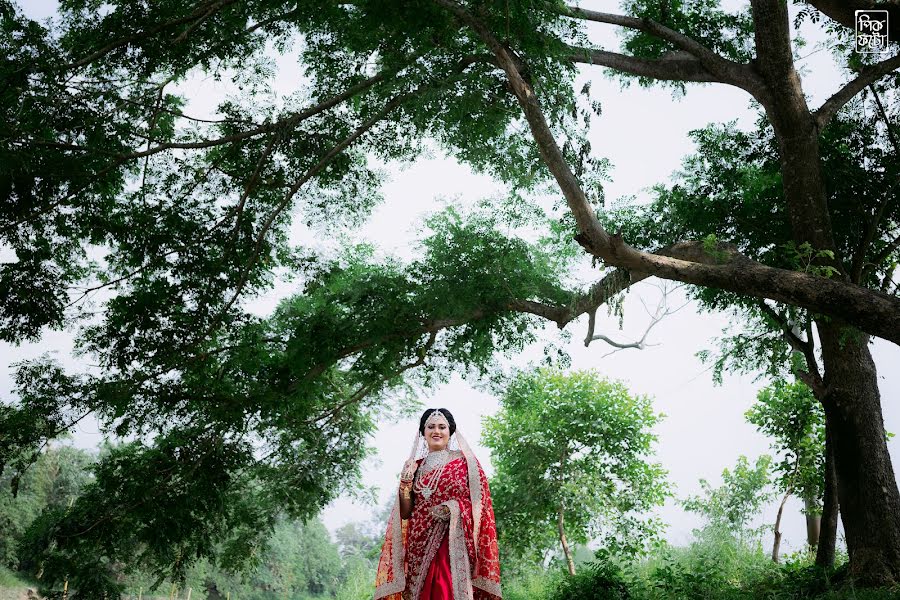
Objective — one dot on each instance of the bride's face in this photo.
(437, 435)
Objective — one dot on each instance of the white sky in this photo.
(644, 134)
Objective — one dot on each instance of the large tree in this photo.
(730, 189)
(188, 216)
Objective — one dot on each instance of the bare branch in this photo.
(866, 76)
(662, 311)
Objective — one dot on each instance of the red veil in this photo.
(468, 540)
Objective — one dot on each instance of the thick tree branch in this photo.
(843, 12)
(772, 34)
(587, 221)
(682, 67)
(601, 292)
(866, 76)
(774, 62)
(723, 69)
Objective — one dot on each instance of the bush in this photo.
(598, 580)
(529, 584)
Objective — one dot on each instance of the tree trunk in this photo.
(866, 485)
(565, 545)
(813, 523)
(776, 545)
(830, 511)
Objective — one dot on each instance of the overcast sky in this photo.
(644, 134)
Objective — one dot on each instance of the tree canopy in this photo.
(571, 453)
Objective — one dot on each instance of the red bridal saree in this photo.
(431, 558)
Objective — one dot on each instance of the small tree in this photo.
(570, 452)
(793, 418)
(730, 507)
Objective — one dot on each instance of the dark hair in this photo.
(444, 412)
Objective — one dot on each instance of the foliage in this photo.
(715, 565)
(726, 33)
(8, 579)
(297, 559)
(601, 580)
(790, 415)
(731, 506)
(574, 442)
(533, 582)
(57, 477)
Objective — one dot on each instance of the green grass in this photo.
(8, 579)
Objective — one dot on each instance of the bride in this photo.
(441, 541)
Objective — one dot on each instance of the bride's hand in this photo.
(409, 470)
(441, 511)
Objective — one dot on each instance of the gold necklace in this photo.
(439, 462)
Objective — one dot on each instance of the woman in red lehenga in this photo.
(441, 540)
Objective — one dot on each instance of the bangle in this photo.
(406, 492)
